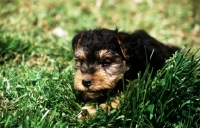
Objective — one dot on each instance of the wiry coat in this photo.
(132, 52)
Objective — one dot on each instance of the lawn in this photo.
(37, 71)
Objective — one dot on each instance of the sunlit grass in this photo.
(36, 65)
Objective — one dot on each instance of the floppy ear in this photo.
(124, 40)
(77, 40)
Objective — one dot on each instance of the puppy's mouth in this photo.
(94, 94)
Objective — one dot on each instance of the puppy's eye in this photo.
(104, 63)
(81, 61)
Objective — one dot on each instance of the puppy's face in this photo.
(100, 61)
(97, 74)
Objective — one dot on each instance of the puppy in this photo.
(104, 57)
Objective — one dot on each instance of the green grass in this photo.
(36, 67)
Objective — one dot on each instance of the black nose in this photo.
(86, 82)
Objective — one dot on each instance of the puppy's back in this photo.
(146, 40)
(149, 49)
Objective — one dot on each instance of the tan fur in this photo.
(123, 49)
(91, 110)
(103, 54)
(102, 79)
(80, 53)
(79, 41)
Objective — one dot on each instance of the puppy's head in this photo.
(100, 61)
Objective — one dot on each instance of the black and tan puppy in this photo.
(103, 57)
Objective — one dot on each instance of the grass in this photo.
(36, 65)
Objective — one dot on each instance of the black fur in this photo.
(140, 47)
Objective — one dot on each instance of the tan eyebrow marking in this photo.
(80, 54)
(103, 54)
(79, 41)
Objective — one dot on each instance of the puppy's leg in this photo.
(106, 106)
(114, 104)
(85, 111)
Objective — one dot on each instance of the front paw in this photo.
(113, 104)
(86, 111)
